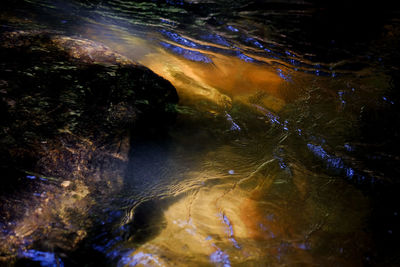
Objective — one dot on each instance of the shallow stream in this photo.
(283, 150)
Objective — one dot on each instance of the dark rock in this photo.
(68, 107)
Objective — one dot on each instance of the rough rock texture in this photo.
(68, 107)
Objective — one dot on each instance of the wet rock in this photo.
(65, 183)
(68, 108)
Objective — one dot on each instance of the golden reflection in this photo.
(225, 80)
(264, 216)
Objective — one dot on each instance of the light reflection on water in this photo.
(46, 259)
(215, 77)
(251, 173)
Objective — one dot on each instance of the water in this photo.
(284, 148)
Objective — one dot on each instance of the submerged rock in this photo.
(68, 107)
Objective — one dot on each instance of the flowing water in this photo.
(284, 148)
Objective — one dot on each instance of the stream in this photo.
(283, 151)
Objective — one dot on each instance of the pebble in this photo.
(65, 183)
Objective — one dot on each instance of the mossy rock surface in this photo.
(53, 85)
(68, 108)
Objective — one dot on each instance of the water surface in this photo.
(282, 152)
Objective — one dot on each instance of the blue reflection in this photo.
(234, 126)
(341, 94)
(387, 100)
(221, 258)
(316, 72)
(244, 57)
(228, 223)
(46, 259)
(262, 227)
(175, 2)
(299, 132)
(113, 215)
(283, 76)
(285, 126)
(231, 28)
(289, 54)
(294, 62)
(235, 243)
(348, 147)
(281, 161)
(139, 258)
(32, 177)
(167, 22)
(349, 172)
(188, 54)
(303, 246)
(258, 44)
(255, 43)
(216, 39)
(282, 164)
(318, 151)
(274, 119)
(230, 230)
(178, 39)
(333, 162)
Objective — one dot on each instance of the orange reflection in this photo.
(228, 79)
(225, 80)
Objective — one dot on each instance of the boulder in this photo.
(68, 107)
